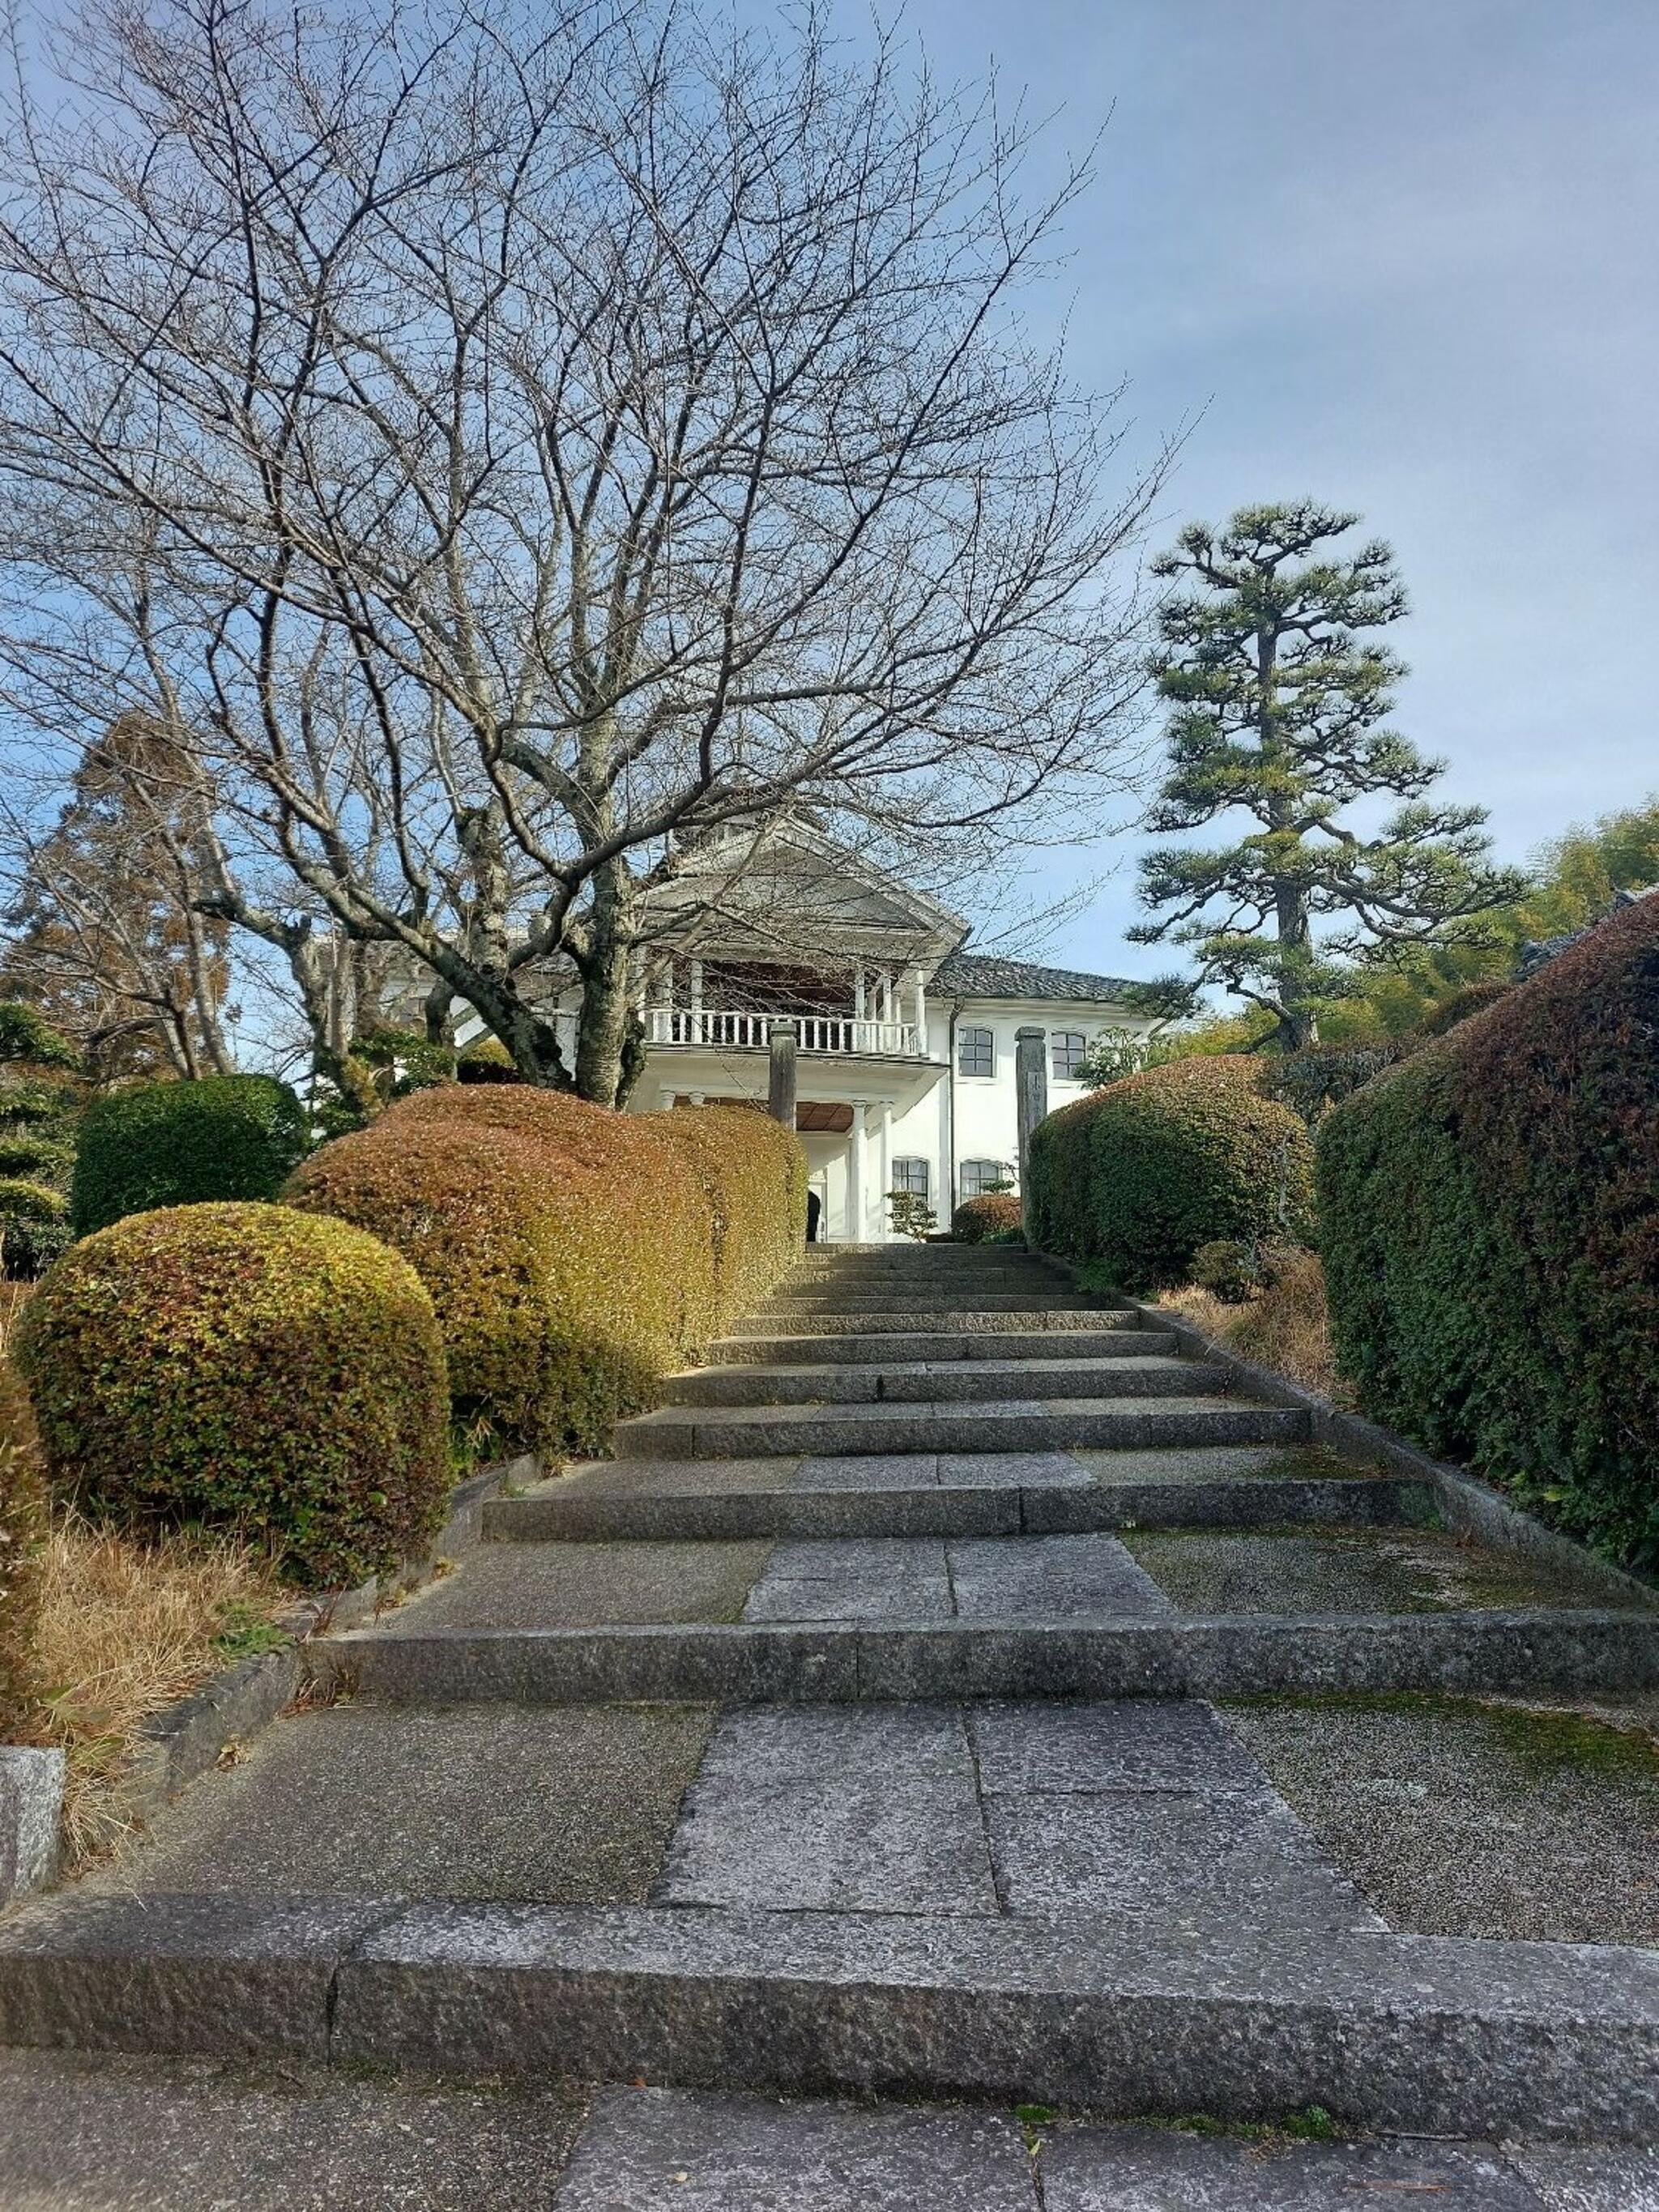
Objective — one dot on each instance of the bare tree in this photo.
(514, 446)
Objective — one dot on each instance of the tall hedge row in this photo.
(1490, 1226)
(574, 1254)
(1140, 1173)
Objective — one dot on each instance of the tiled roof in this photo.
(977, 975)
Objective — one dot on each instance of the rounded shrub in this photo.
(1139, 1174)
(1470, 999)
(977, 1220)
(183, 1144)
(22, 1531)
(1490, 1223)
(487, 1060)
(574, 1254)
(247, 1368)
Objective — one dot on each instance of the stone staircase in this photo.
(855, 1729)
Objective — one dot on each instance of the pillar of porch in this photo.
(855, 1201)
(884, 1162)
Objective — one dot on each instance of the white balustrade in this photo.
(726, 1030)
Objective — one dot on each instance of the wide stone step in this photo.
(970, 1321)
(569, 1513)
(998, 1344)
(909, 1382)
(878, 1298)
(1104, 1424)
(1428, 2034)
(1161, 1656)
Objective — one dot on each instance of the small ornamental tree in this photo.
(1278, 703)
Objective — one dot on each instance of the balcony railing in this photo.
(736, 1033)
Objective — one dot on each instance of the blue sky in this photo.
(1401, 257)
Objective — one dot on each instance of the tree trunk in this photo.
(607, 1009)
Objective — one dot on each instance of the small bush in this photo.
(979, 1221)
(1490, 1223)
(246, 1369)
(183, 1144)
(574, 1254)
(22, 1531)
(405, 1060)
(1235, 1268)
(1311, 1083)
(487, 1061)
(1142, 1173)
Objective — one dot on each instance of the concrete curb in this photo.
(1123, 2016)
(31, 1816)
(1214, 1656)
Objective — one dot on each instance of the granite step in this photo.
(941, 1319)
(998, 1425)
(1432, 2035)
(1168, 1655)
(1127, 1375)
(1051, 1344)
(877, 1298)
(572, 1511)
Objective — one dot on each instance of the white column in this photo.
(696, 1000)
(921, 992)
(855, 1207)
(885, 1159)
(858, 993)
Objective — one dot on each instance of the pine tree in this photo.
(1278, 706)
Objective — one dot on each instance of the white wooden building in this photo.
(906, 1041)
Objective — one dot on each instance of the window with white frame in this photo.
(910, 1175)
(1067, 1050)
(976, 1052)
(977, 1177)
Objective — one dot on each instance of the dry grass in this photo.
(1285, 1330)
(127, 1628)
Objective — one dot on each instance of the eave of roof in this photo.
(982, 975)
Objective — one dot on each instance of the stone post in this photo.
(780, 1084)
(1031, 1104)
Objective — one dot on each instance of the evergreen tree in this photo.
(107, 937)
(1279, 703)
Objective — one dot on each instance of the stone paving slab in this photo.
(662, 2150)
(1591, 2179)
(896, 1579)
(741, 1431)
(89, 2132)
(1401, 1571)
(1040, 1750)
(1461, 1819)
(588, 1586)
(572, 1806)
(1049, 1577)
(956, 1381)
(1163, 2169)
(852, 1810)
(1200, 1859)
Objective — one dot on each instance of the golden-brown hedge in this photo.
(574, 1254)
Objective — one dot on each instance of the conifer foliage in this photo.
(1278, 703)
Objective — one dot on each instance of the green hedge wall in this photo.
(180, 1144)
(1490, 1226)
(1140, 1173)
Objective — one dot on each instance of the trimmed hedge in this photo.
(245, 1367)
(1490, 1223)
(183, 1144)
(574, 1254)
(976, 1220)
(1140, 1173)
(22, 1531)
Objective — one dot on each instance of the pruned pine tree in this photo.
(1279, 702)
